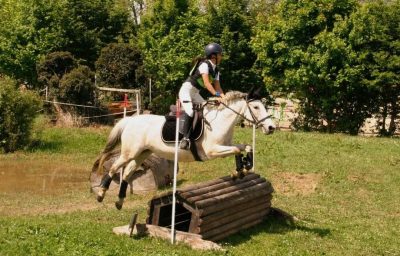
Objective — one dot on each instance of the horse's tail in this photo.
(114, 139)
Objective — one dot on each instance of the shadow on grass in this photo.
(274, 223)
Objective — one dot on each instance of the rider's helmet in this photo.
(212, 48)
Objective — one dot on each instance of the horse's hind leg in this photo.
(132, 166)
(105, 183)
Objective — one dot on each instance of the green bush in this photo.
(78, 86)
(18, 110)
(120, 66)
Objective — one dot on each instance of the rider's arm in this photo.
(207, 84)
(218, 88)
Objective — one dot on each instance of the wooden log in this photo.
(266, 186)
(235, 216)
(185, 193)
(205, 184)
(226, 190)
(239, 200)
(235, 224)
(239, 207)
(235, 230)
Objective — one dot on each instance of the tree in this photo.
(18, 109)
(52, 68)
(78, 87)
(230, 23)
(91, 25)
(33, 28)
(120, 66)
(170, 36)
(301, 52)
(374, 34)
(28, 29)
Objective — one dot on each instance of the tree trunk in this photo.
(393, 117)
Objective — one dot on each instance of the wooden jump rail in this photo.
(215, 209)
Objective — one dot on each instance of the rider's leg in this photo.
(187, 130)
(185, 96)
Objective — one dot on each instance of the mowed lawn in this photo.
(344, 191)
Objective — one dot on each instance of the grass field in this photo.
(344, 191)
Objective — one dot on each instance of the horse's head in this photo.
(257, 112)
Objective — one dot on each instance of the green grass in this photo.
(353, 209)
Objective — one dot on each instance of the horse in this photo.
(139, 136)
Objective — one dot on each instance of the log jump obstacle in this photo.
(215, 209)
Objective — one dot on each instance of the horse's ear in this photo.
(257, 93)
(250, 94)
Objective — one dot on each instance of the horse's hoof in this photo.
(100, 199)
(118, 205)
(234, 175)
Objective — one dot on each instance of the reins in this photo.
(255, 121)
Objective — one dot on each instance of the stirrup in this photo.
(184, 144)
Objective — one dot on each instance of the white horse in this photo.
(140, 136)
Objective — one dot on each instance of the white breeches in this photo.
(191, 95)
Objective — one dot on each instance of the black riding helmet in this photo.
(212, 48)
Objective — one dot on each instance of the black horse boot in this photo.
(187, 130)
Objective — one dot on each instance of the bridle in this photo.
(255, 121)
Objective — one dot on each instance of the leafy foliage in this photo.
(120, 66)
(171, 35)
(229, 23)
(374, 34)
(17, 112)
(77, 86)
(52, 68)
(33, 28)
(302, 53)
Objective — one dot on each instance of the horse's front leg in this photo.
(224, 151)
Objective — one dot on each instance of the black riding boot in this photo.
(187, 130)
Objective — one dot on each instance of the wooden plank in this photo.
(204, 184)
(118, 90)
(235, 224)
(235, 230)
(265, 187)
(206, 226)
(193, 240)
(226, 190)
(239, 207)
(214, 187)
(239, 200)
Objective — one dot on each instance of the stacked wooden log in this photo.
(217, 208)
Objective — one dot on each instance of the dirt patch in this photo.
(293, 184)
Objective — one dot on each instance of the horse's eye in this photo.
(255, 107)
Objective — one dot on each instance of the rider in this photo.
(205, 74)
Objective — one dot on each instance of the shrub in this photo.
(120, 66)
(78, 86)
(52, 68)
(18, 109)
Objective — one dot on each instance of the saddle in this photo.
(169, 127)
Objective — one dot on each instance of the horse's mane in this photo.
(229, 98)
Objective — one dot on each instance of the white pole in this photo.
(175, 174)
(150, 89)
(47, 88)
(254, 147)
(137, 104)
